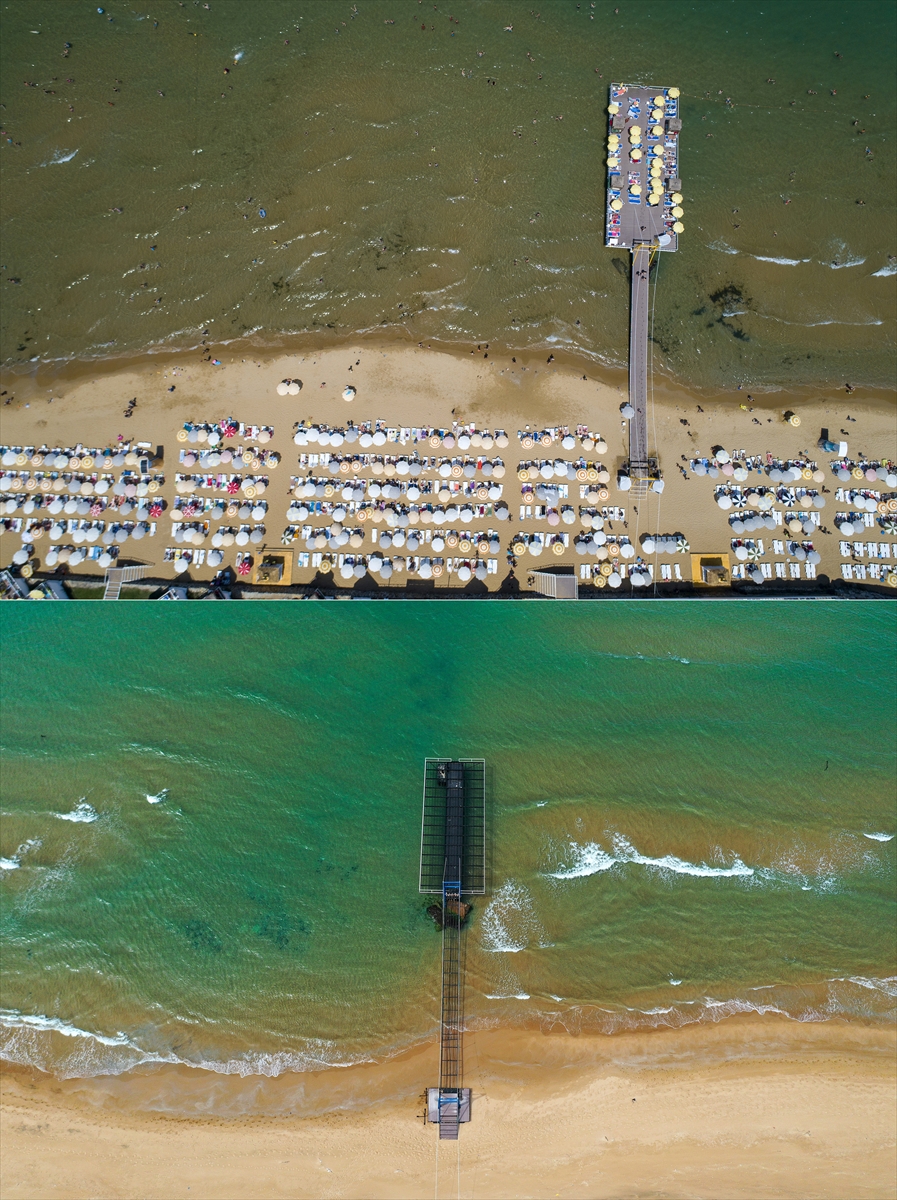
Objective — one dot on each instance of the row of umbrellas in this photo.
(871, 502)
(250, 485)
(257, 511)
(748, 551)
(325, 435)
(358, 489)
(560, 469)
(72, 459)
(882, 472)
(126, 486)
(214, 458)
(766, 500)
(397, 517)
(213, 435)
(664, 544)
(195, 535)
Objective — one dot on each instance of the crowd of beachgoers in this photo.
(451, 504)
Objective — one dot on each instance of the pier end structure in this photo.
(452, 864)
(643, 215)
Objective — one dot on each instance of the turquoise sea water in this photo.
(446, 183)
(211, 823)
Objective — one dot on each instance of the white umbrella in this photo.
(741, 553)
(215, 558)
(624, 483)
(464, 574)
(137, 532)
(242, 538)
(349, 393)
(614, 580)
(21, 557)
(627, 550)
(724, 501)
(105, 559)
(627, 411)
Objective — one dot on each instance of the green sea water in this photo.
(211, 822)
(283, 169)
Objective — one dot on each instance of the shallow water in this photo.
(211, 823)
(446, 183)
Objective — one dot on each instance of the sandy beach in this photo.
(409, 386)
(750, 1108)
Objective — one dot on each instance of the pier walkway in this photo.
(638, 360)
(452, 863)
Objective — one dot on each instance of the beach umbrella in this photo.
(64, 554)
(677, 212)
(724, 501)
(77, 536)
(614, 580)
(741, 553)
(627, 411)
(568, 441)
(799, 553)
(581, 546)
(871, 504)
(464, 573)
(756, 575)
(768, 522)
(257, 535)
(627, 550)
(242, 538)
(137, 532)
(481, 570)
(246, 565)
(294, 387)
(20, 557)
(678, 227)
(808, 526)
(846, 528)
(654, 198)
(648, 544)
(814, 557)
(77, 556)
(682, 546)
(699, 469)
(624, 483)
(386, 569)
(737, 525)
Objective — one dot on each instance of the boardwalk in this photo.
(638, 357)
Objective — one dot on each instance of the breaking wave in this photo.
(12, 864)
(82, 812)
(890, 269)
(879, 837)
(590, 858)
(32, 1040)
(510, 923)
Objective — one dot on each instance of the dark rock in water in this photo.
(456, 913)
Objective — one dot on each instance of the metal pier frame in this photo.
(452, 863)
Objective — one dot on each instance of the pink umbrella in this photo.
(96, 509)
(245, 567)
(233, 487)
(155, 510)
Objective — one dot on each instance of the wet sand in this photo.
(753, 1107)
(419, 386)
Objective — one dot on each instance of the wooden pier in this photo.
(452, 864)
(643, 215)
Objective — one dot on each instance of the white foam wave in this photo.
(156, 799)
(510, 923)
(13, 864)
(890, 269)
(61, 156)
(851, 262)
(27, 1040)
(591, 858)
(722, 247)
(82, 812)
(783, 262)
(879, 837)
(510, 996)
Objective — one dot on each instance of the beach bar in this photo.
(452, 864)
(642, 214)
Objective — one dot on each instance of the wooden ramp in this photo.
(117, 577)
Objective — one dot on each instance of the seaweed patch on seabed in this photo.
(727, 298)
(202, 937)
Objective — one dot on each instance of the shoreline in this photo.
(31, 379)
(752, 1107)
